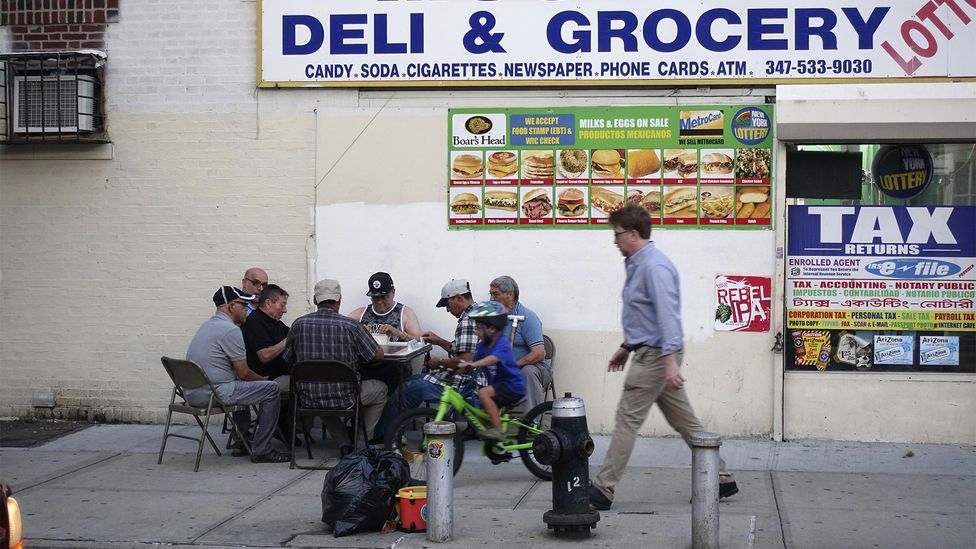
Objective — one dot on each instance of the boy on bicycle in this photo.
(506, 385)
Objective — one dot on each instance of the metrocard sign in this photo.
(611, 42)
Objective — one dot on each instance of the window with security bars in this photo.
(52, 97)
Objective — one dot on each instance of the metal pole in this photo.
(704, 490)
(440, 480)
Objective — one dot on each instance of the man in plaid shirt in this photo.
(327, 335)
(456, 297)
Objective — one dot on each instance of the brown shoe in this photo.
(238, 450)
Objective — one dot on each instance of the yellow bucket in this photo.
(413, 508)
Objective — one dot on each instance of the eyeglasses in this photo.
(616, 234)
(257, 283)
(495, 293)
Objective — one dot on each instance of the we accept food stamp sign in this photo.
(705, 166)
(883, 268)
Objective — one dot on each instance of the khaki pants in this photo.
(645, 384)
(372, 397)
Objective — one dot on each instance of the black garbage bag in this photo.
(360, 491)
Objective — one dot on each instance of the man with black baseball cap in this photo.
(384, 315)
(218, 348)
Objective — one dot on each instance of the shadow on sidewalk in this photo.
(27, 434)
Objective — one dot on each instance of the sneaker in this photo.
(274, 456)
(599, 501)
(491, 434)
(727, 489)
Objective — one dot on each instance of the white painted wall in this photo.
(381, 205)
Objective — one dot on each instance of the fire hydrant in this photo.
(567, 446)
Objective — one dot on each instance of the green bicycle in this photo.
(407, 434)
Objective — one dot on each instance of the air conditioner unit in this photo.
(54, 104)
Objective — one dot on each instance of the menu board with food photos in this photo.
(706, 167)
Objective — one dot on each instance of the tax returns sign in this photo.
(611, 42)
(881, 267)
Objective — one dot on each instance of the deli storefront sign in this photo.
(611, 42)
(881, 268)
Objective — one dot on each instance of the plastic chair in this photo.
(341, 399)
(188, 375)
(551, 357)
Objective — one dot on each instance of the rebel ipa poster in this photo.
(742, 303)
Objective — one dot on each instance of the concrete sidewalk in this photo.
(101, 487)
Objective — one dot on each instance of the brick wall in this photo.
(57, 24)
(109, 255)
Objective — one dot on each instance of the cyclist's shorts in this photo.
(505, 396)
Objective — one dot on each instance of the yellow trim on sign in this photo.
(259, 49)
(614, 83)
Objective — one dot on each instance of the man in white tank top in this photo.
(384, 315)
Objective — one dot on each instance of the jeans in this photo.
(415, 390)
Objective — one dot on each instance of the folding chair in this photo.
(188, 375)
(340, 397)
(551, 357)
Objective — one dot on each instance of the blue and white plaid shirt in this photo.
(327, 335)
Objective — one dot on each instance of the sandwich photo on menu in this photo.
(465, 204)
(652, 203)
(681, 202)
(501, 200)
(571, 203)
(680, 162)
(467, 166)
(502, 164)
(606, 200)
(606, 163)
(536, 204)
(716, 164)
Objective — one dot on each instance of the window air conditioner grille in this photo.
(53, 104)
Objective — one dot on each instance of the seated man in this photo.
(255, 279)
(264, 338)
(526, 338)
(456, 297)
(327, 335)
(218, 348)
(265, 335)
(384, 315)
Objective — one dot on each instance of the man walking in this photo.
(653, 340)
(218, 347)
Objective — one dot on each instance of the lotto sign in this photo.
(742, 303)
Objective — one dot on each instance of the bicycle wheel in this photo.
(541, 417)
(406, 437)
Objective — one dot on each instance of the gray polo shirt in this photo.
(215, 346)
